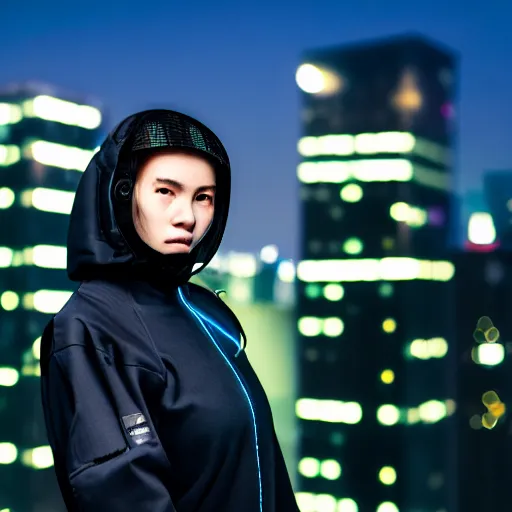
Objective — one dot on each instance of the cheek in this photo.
(143, 214)
(206, 216)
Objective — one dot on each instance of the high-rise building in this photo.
(46, 141)
(498, 194)
(483, 368)
(483, 284)
(374, 284)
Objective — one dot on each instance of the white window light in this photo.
(49, 200)
(61, 111)
(481, 230)
(10, 113)
(9, 154)
(59, 155)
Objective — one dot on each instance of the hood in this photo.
(99, 244)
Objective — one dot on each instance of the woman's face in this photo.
(173, 201)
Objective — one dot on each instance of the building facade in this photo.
(46, 141)
(375, 280)
(483, 298)
(497, 187)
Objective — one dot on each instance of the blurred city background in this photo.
(369, 243)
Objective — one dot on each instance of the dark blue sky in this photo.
(232, 64)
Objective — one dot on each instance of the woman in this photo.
(150, 402)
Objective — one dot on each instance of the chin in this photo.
(175, 249)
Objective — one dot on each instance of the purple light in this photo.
(447, 111)
(436, 216)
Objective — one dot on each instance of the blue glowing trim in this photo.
(219, 328)
(199, 319)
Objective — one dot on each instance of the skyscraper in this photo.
(46, 141)
(375, 308)
(483, 333)
(483, 369)
(498, 194)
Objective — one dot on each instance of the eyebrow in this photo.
(180, 186)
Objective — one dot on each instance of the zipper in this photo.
(201, 318)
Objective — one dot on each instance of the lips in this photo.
(179, 240)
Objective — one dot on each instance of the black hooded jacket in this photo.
(150, 402)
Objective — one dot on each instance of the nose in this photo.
(182, 214)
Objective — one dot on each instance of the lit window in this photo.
(387, 506)
(488, 354)
(309, 467)
(367, 269)
(387, 376)
(286, 271)
(48, 200)
(388, 243)
(9, 155)
(317, 80)
(313, 291)
(6, 198)
(36, 349)
(38, 458)
(9, 300)
(9, 377)
(6, 257)
(427, 349)
(334, 292)
(410, 215)
(325, 503)
(331, 411)
(330, 469)
(384, 142)
(353, 246)
(389, 325)
(347, 505)
(8, 453)
(481, 230)
(10, 113)
(387, 475)
(432, 411)
(386, 290)
(61, 111)
(388, 414)
(269, 254)
(310, 326)
(46, 301)
(351, 193)
(333, 327)
(59, 155)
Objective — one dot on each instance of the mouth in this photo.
(180, 240)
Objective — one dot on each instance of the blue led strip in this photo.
(219, 328)
(199, 317)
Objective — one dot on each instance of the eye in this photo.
(163, 191)
(205, 197)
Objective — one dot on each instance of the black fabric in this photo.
(119, 349)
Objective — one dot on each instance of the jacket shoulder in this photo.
(96, 307)
(100, 316)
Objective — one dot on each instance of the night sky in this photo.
(232, 65)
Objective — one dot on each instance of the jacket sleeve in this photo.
(106, 450)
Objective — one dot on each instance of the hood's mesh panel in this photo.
(178, 131)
